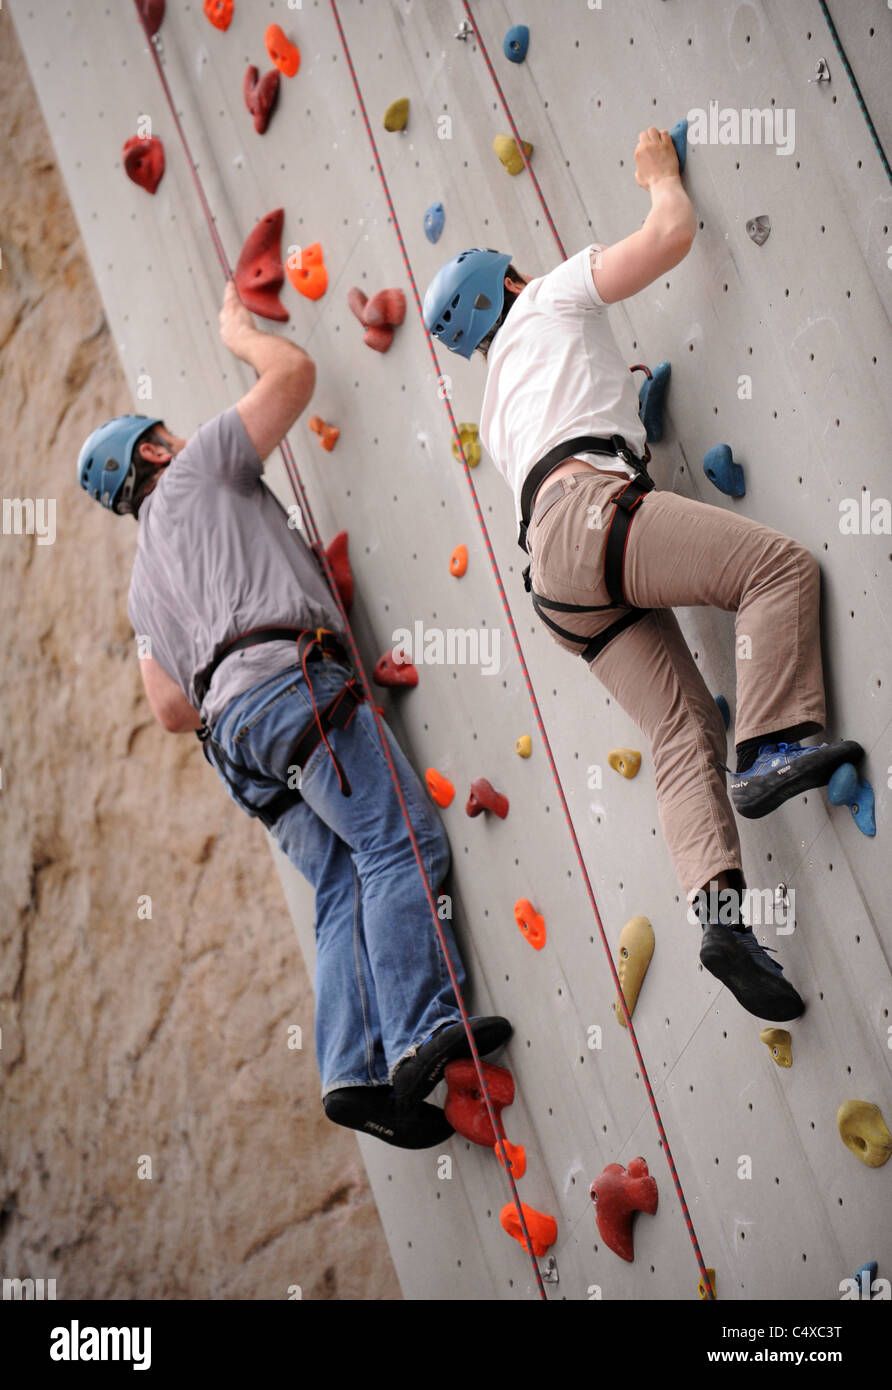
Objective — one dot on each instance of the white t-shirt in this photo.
(555, 372)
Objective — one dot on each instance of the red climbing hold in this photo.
(219, 12)
(618, 1193)
(387, 306)
(259, 275)
(260, 95)
(328, 434)
(542, 1228)
(465, 1107)
(357, 301)
(307, 271)
(389, 671)
(282, 52)
(336, 554)
(378, 337)
(484, 797)
(144, 161)
(151, 12)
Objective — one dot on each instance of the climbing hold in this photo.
(282, 52)
(531, 923)
(465, 1107)
(759, 228)
(396, 117)
(780, 1043)
(516, 1154)
(144, 161)
(260, 95)
(356, 302)
(387, 306)
(259, 275)
(505, 147)
(625, 761)
(440, 788)
(617, 1194)
(517, 41)
(720, 468)
(845, 788)
(523, 746)
(379, 337)
(864, 1277)
(395, 668)
(336, 554)
(701, 1287)
(434, 221)
(724, 710)
(328, 434)
(679, 137)
(307, 271)
(470, 444)
(863, 1130)
(636, 947)
(542, 1228)
(484, 797)
(151, 12)
(458, 561)
(650, 399)
(219, 12)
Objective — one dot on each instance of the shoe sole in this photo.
(759, 795)
(767, 997)
(487, 1040)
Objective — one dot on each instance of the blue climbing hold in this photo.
(846, 789)
(724, 710)
(434, 221)
(720, 469)
(650, 401)
(865, 1276)
(517, 41)
(679, 137)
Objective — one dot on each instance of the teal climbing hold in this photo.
(434, 221)
(720, 469)
(650, 400)
(679, 137)
(724, 710)
(846, 789)
(517, 41)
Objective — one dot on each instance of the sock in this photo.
(747, 751)
(717, 908)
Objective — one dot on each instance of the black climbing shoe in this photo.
(785, 769)
(373, 1110)
(757, 982)
(416, 1076)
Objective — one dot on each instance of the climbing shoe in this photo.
(783, 770)
(734, 956)
(374, 1110)
(417, 1075)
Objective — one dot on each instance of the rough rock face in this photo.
(127, 1037)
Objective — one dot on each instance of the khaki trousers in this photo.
(681, 553)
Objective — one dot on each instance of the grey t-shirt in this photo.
(217, 558)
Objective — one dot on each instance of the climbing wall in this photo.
(781, 1208)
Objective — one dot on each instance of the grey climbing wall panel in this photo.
(805, 316)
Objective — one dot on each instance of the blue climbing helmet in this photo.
(465, 298)
(105, 460)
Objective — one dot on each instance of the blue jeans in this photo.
(381, 981)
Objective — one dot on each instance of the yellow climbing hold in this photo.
(505, 147)
(624, 760)
(524, 746)
(636, 946)
(701, 1287)
(780, 1044)
(396, 117)
(470, 442)
(863, 1130)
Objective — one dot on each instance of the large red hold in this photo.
(259, 274)
(151, 13)
(484, 797)
(260, 95)
(336, 553)
(465, 1107)
(144, 161)
(617, 1194)
(389, 671)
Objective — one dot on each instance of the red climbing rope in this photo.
(498, 578)
(315, 538)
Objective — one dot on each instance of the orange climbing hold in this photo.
(531, 923)
(307, 271)
(394, 668)
(144, 161)
(219, 12)
(465, 1106)
(440, 788)
(458, 561)
(282, 52)
(260, 95)
(328, 434)
(259, 275)
(516, 1154)
(484, 797)
(336, 554)
(542, 1228)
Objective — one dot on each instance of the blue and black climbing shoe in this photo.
(374, 1110)
(417, 1075)
(734, 956)
(782, 770)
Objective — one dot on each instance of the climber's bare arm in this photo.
(287, 375)
(668, 231)
(166, 700)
